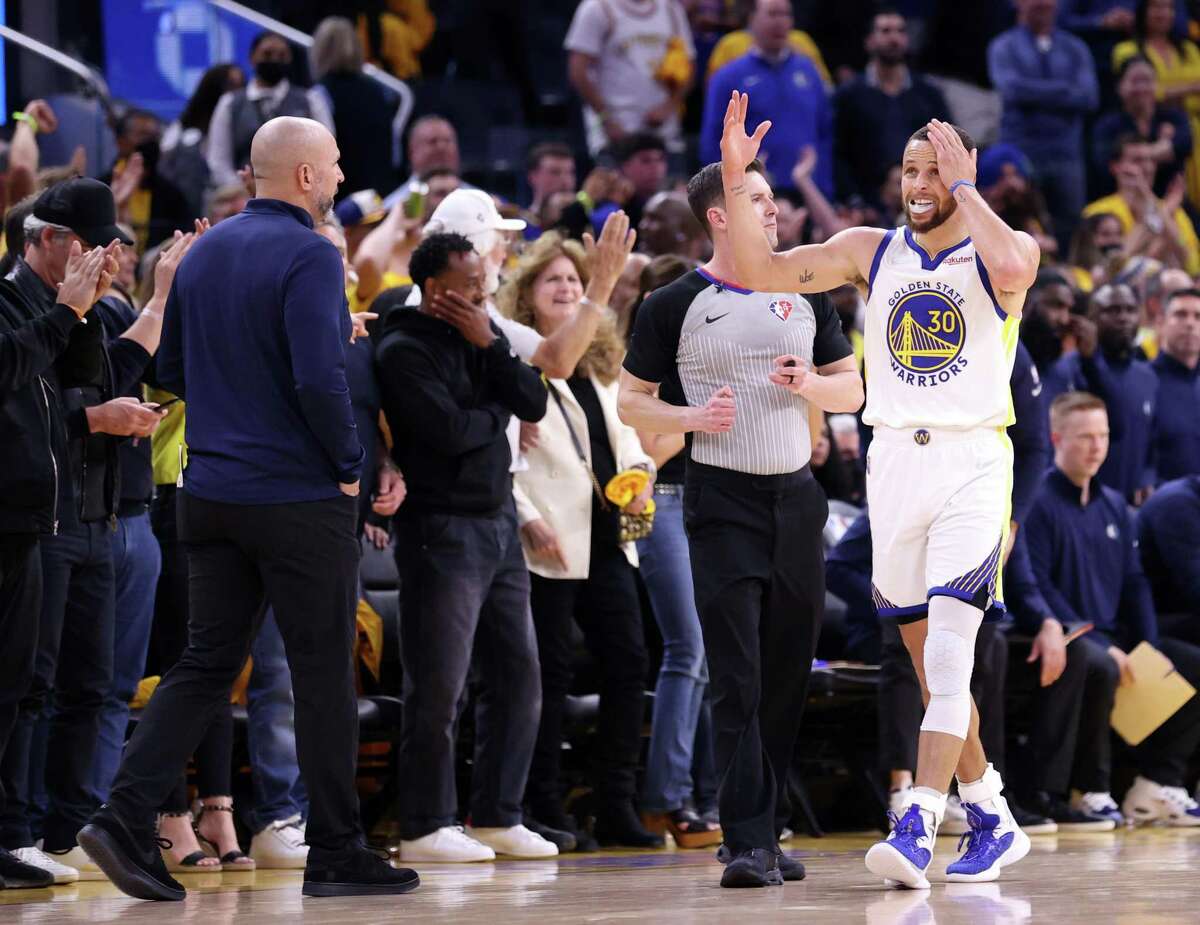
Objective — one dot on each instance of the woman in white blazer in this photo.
(581, 572)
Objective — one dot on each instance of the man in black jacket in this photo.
(74, 639)
(448, 392)
(32, 447)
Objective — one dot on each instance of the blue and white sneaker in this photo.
(993, 842)
(1098, 804)
(904, 858)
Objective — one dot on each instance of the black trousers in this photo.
(1070, 738)
(758, 568)
(464, 589)
(214, 753)
(20, 604)
(73, 673)
(607, 609)
(302, 559)
(901, 709)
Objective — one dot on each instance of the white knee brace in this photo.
(949, 658)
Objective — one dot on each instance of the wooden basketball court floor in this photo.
(1130, 877)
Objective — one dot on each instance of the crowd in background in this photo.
(1086, 115)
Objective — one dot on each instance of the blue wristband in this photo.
(957, 183)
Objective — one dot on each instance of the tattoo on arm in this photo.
(739, 189)
(806, 276)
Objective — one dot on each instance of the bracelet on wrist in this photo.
(592, 303)
(957, 183)
(29, 120)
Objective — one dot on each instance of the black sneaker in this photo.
(1031, 823)
(563, 840)
(131, 858)
(1069, 819)
(753, 868)
(560, 821)
(618, 826)
(789, 867)
(359, 872)
(17, 875)
(724, 855)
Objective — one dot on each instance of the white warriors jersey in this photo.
(939, 349)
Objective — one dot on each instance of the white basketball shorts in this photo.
(940, 502)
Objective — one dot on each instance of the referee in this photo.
(736, 370)
(254, 340)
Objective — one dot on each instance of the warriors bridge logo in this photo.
(926, 334)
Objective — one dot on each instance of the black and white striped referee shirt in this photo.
(700, 333)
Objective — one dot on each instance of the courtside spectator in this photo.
(185, 142)
(147, 201)
(787, 89)
(1047, 81)
(362, 109)
(1164, 128)
(876, 113)
(1160, 33)
(239, 114)
(1158, 228)
(432, 145)
(734, 44)
(632, 62)
(450, 381)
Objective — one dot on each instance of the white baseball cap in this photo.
(471, 213)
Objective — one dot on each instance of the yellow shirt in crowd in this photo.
(736, 44)
(1115, 205)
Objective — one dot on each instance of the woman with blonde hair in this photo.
(581, 569)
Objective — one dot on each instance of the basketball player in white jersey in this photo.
(944, 296)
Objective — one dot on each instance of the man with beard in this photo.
(1131, 384)
(1050, 320)
(944, 297)
(706, 349)
(241, 113)
(253, 339)
(876, 112)
(669, 227)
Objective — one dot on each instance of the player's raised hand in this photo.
(737, 148)
(717, 416)
(790, 372)
(954, 161)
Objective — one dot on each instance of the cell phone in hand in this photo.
(163, 406)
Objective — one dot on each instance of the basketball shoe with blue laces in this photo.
(994, 839)
(904, 857)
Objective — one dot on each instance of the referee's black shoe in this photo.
(358, 872)
(756, 867)
(15, 874)
(130, 857)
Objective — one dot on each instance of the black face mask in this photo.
(150, 151)
(270, 72)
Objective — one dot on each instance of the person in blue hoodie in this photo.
(1084, 549)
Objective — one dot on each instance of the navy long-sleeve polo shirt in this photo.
(1169, 529)
(1086, 560)
(1029, 435)
(254, 339)
(1177, 419)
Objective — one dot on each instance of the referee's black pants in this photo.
(758, 567)
(302, 560)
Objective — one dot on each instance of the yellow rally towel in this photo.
(675, 69)
(625, 486)
(369, 648)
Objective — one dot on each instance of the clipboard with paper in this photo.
(1157, 693)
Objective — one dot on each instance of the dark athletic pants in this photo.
(759, 573)
(302, 559)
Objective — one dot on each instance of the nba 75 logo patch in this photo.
(780, 308)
